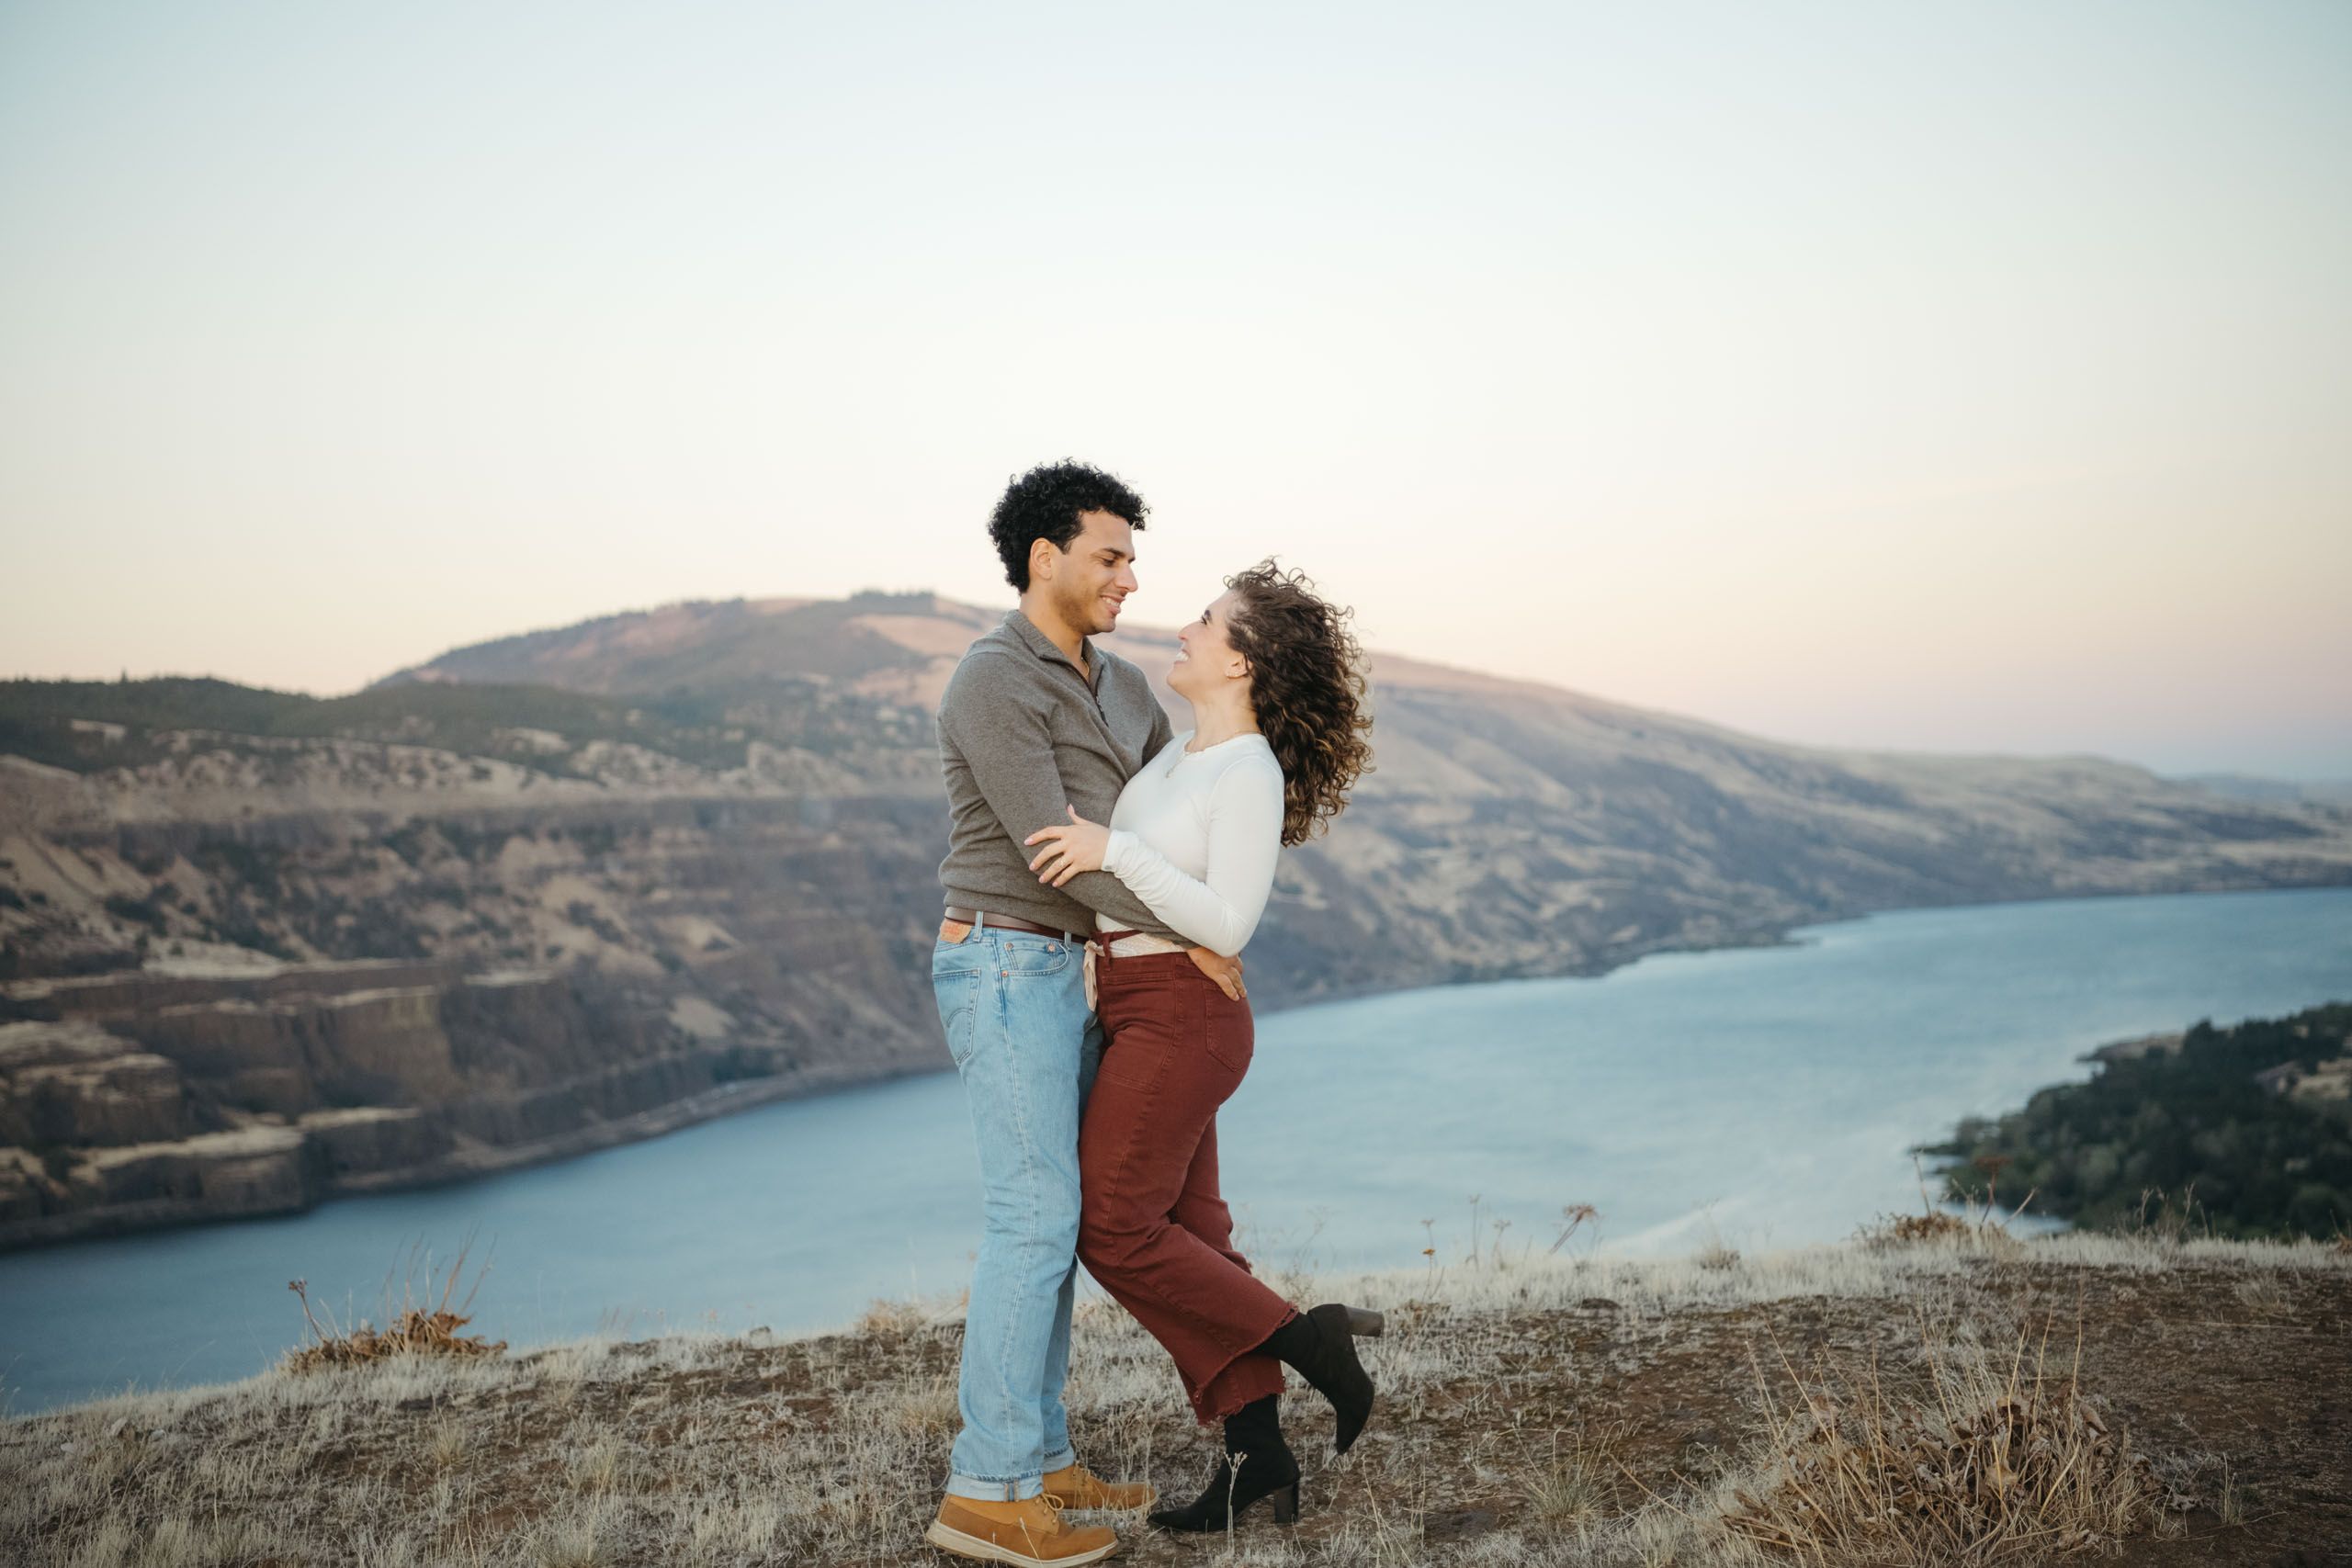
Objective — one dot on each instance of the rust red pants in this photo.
(1152, 1229)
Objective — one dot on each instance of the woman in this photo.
(1275, 682)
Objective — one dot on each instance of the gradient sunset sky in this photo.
(1959, 378)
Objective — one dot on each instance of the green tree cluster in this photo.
(2264, 1164)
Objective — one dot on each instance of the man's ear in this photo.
(1041, 553)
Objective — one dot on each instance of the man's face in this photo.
(1087, 582)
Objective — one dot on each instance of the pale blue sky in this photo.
(1962, 377)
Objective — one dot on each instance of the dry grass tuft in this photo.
(1915, 1230)
(1972, 1230)
(447, 1444)
(599, 1467)
(2263, 1295)
(892, 1320)
(1983, 1465)
(415, 1331)
(2175, 1219)
(1578, 1486)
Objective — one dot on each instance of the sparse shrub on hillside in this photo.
(594, 839)
(417, 842)
(1979, 1229)
(480, 843)
(414, 1329)
(143, 911)
(584, 915)
(1912, 1230)
(239, 929)
(257, 866)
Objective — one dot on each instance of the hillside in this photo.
(1541, 829)
(573, 886)
(1970, 1399)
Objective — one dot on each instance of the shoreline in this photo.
(459, 1166)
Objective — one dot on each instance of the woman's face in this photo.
(1207, 660)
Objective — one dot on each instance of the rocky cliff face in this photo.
(589, 983)
(265, 1092)
(261, 948)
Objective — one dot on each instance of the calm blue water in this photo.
(1763, 1095)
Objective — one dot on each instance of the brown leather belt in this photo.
(1010, 923)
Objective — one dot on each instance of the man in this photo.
(1037, 719)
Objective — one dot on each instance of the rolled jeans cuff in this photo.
(996, 1491)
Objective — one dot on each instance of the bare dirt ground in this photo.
(1541, 1410)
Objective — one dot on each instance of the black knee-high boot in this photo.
(1321, 1346)
(1256, 1463)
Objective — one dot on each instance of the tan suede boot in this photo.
(1029, 1534)
(1075, 1486)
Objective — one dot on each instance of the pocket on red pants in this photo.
(1227, 1032)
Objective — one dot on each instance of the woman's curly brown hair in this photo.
(1306, 682)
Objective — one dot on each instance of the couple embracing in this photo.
(1103, 875)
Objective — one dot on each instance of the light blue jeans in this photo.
(1013, 1004)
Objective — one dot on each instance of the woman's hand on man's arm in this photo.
(1078, 847)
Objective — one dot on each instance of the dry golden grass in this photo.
(1578, 1484)
(1535, 1409)
(1911, 1230)
(1988, 1464)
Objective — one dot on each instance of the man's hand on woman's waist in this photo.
(1226, 972)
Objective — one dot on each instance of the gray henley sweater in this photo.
(1023, 732)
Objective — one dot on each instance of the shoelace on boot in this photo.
(1052, 1508)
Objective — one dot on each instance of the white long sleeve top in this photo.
(1194, 835)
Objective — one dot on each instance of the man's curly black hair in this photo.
(1044, 504)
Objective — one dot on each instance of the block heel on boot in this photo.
(1253, 1435)
(1320, 1346)
(1227, 1498)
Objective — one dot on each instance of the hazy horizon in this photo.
(1953, 380)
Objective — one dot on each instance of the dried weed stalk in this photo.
(414, 1330)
